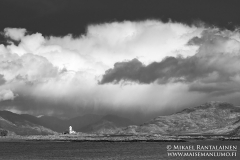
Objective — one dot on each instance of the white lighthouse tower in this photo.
(70, 130)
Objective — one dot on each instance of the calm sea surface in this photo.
(101, 150)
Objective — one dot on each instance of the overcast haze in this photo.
(134, 64)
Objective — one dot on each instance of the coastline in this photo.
(114, 138)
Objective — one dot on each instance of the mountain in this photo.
(60, 125)
(213, 118)
(22, 124)
(107, 124)
(81, 121)
(54, 123)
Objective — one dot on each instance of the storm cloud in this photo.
(213, 68)
(169, 66)
(205, 69)
(169, 70)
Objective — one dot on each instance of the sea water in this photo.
(104, 150)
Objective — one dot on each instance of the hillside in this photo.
(22, 124)
(60, 125)
(28, 124)
(54, 123)
(107, 124)
(82, 121)
(214, 118)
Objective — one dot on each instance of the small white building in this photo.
(71, 131)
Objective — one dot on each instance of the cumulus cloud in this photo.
(205, 69)
(15, 33)
(29, 67)
(214, 67)
(170, 69)
(164, 63)
(2, 80)
(148, 41)
(6, 94)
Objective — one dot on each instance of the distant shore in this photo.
(112, 138)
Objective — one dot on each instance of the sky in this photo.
(136, 59)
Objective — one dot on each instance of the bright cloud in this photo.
(6, 94)
(15, 33)
(177, 66)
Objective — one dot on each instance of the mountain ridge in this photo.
(107, 124)
(14, 122)
(209, 118)
(214, 118)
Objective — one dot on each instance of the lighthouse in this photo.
(71, 131)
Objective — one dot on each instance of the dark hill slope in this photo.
(107, 124)
(22, 124)
(210, 118)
